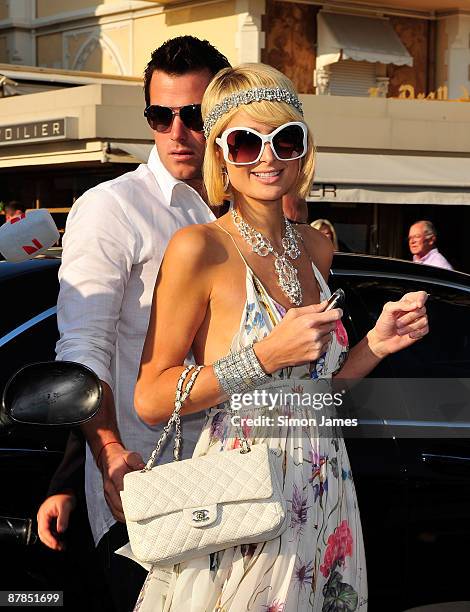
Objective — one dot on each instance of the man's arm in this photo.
(111, 456)
(98, 256)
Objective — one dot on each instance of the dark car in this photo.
(414, 492)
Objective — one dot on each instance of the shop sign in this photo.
(51, 129)
(408, 92)
(323, 190)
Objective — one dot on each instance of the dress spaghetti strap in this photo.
(321, 282)
(236, 246)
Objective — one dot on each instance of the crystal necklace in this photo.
(286, 272)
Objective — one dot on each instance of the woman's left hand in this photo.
(400, 324)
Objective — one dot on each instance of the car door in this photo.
(434, 494)
(378, 471)
(28, 455)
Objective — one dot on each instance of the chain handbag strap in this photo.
(175, 420)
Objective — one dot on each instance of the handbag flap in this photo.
(223, 477)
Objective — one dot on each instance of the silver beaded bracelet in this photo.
(240, 372)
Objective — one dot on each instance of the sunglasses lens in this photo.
(159, 117)
(191, 117)
(289, 142)
(243, 146)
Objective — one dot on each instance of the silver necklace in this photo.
(286, 272)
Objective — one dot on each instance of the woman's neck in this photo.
(263, 216)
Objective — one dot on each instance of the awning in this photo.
(368, 39)
(8, 87)
(75, 152)
(391, 179)
(139, 151)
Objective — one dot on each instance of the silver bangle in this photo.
(240, 372)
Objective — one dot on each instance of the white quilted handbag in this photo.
(185, 509)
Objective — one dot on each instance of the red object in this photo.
(18, 218)
(102, 449)
(340, 545)
(32, 249)
(341, 333)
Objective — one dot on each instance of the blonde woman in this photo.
(327, 228)
(251, 278)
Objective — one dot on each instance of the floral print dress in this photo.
(318, 563)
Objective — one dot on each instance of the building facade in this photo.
(385, 86)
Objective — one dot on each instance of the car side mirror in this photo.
(52, 393)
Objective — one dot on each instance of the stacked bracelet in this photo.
(240, 372)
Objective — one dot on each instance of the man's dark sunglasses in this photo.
(160, 118)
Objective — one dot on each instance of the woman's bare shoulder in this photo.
(196, 244)
(319, 247)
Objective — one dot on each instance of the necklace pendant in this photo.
(288, 280)
(286, 272)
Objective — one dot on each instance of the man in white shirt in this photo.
(115, 238)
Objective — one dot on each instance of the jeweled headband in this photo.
(247, 97)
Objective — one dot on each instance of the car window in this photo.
(37, 343)
(27, 295)
(445, 351)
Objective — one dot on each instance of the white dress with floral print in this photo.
(318, 563)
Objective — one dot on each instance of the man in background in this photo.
(14, 209)
(422, 239)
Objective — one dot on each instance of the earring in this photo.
(226, 179)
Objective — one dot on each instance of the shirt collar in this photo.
(166, 181)
(427, 256)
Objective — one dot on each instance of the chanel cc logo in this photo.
(200, 515)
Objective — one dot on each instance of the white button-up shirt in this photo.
(115, 238)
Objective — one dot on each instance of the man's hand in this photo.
(53, 519)
(116, 461)
(112, 459)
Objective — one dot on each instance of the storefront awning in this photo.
(140, 152)
(369, 39)
(8, 87)
(391, 179)
(75, 152)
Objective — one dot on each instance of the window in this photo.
(445, 351)
(351, 78)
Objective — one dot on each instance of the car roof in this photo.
(344, 264)
(11, 270)
(352, 264)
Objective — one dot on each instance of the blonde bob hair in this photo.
(319, 223)
(272, 113)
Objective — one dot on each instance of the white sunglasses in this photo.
(243, 146)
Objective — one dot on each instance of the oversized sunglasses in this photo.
(244, 146)
(160, 118)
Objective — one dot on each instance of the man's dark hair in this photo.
(182, 55)
(15, 205)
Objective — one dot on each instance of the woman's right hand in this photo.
(302, 336)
